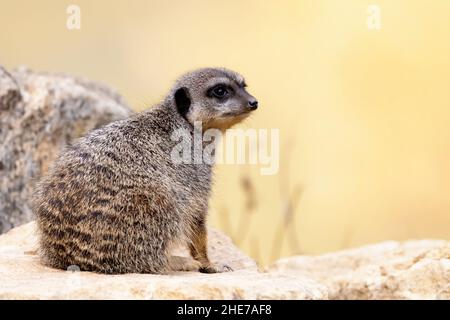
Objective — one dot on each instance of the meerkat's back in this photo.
(107, 203)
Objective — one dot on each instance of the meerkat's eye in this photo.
(220, 91)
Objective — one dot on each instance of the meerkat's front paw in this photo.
(178, 263)
(215, 268)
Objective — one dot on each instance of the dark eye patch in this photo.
(220, 91)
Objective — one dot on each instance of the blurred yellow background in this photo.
(364, 115)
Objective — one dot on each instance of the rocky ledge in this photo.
(389, 270)
(22, 276)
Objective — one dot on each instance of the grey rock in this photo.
(39, 114)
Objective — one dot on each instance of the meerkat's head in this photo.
(214, 96)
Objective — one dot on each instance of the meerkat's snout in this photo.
(250, 102)
(253, 104)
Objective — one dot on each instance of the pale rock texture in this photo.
(22, 276)
(389, 270)
(39, 114)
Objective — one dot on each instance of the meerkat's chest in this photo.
(190, 189)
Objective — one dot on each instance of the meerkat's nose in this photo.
(253, 104)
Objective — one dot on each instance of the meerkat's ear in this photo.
(182, 100)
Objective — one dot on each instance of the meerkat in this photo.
(115, 202)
